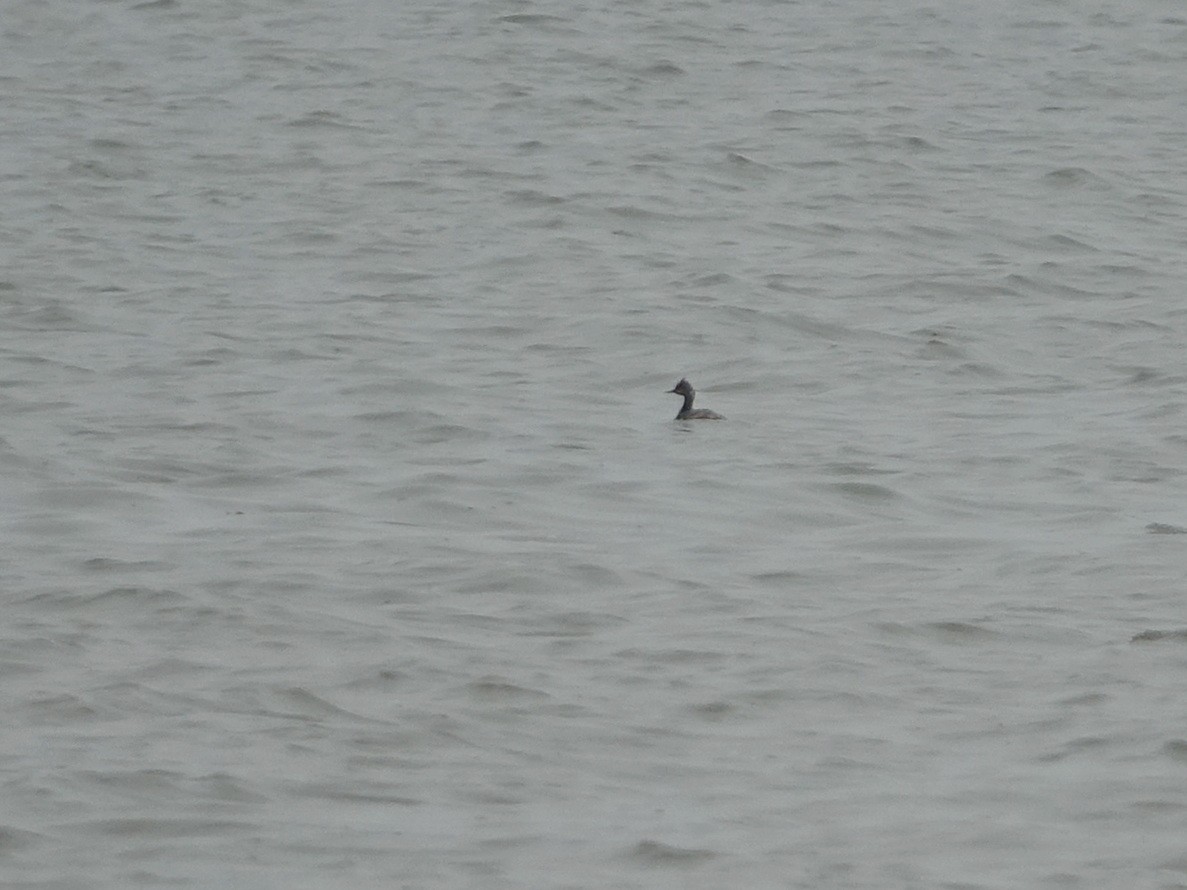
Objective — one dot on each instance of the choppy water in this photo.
(348, 538)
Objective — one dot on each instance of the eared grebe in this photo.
(684, 388)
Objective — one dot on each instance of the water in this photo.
(348, 537)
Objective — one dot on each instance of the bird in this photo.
(684, 388)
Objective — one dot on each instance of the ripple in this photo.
(657, 854)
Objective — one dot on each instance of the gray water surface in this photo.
(348, 539)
